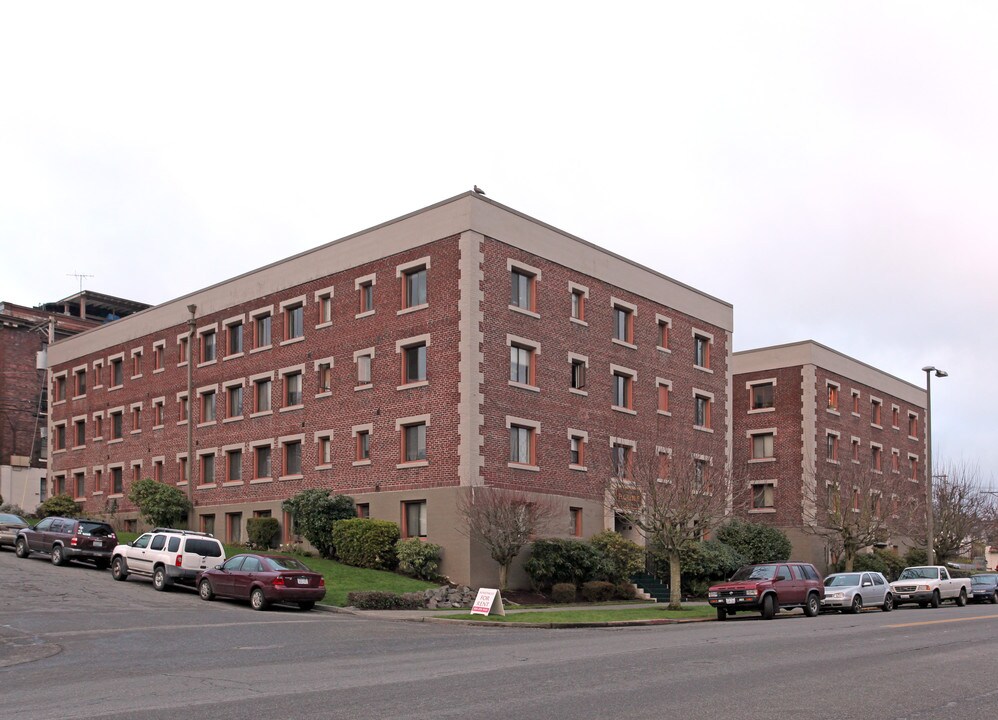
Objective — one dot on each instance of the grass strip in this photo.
(595, 615)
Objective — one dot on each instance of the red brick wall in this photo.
(20, 384)
(557, 408)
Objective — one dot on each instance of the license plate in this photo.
(98, 543)
(303, 581)
(730, 601)
(905, 597)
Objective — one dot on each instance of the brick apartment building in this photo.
(803, 415)
(25, 333)
(462, 345)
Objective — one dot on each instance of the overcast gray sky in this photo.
(830, 169)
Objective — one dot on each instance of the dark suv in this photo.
(65, 539)
(768, 588)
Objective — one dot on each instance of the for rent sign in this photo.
(488, 602)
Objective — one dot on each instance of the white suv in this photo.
(167, 556)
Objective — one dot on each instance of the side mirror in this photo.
(868, 584)
(219, 567)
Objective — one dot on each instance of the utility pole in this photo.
(192, 308)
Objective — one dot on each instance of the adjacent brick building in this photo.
(462, 345)
(802, 413)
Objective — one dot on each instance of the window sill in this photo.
(855, 462)
(623, 343)
(80, 397)
(100, 438)
(58, 402)
(580, 468)
(97, 492)
(832, 462)
(327, 466)
(154, 427)
(855, 414)
(701, 368)
(756, 411)
(101, 386)
(576, 391)
(233, 356)
(912, 437)
(520, 466)
(134, 377)
(261, 413)
(358, 463)
(296, 476)
(874, 425)
(207, 486)
(895, 427)
(292, 341)
(206, 363)
(417, 384)
(156, 371)
(414, 308)
(365, 386)
(703, 428)
(232, 483)
(182, 364)
(83, 447)
(78, 498)
(761, 460)
(234, 418)
(412, 464)
(664, 412)
(261, 348)
(115, 496)
(326, 324)
(761, 511)
(524, 311)
(523, 386)
(182, 483)
(324, 393)
(113, 387)
(664, 350)
(259, 481)
(209, 423)
(115, 441)
(627, 411)
(135, 432)
(364, 314)
(290, 408)
(578, 321)
(56, 452)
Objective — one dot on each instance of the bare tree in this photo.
(963, 511)
(504, 521)
(858, 507)
(671, 499)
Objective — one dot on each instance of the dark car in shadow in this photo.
(984, 587)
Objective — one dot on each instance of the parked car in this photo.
(929, 585)
(984, 587)
(65, 539)
(9, 527)
(167, 556)
(263, 579)
(767, 589)
(856, 590)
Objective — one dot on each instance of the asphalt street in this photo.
(76, 644)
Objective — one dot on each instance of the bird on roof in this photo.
(479, 190)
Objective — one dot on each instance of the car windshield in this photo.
(6, 518)
(94, 528)
(285, 563)
(755, 572)
(983, 579)
(850, 580)
(919, 573)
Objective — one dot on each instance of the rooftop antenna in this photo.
(80, 277)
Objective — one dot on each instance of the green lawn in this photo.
(595, 615)
(340, 579)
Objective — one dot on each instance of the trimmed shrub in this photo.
(625, 591)
(161, 505)
(417, 558)
(564, 561)
(882, 561)
(598, 591)
(314, 512)
(915, 556)
(702, 564)
(377, 600)
(263, 532)
(622, 557)
(60, 505)
(563, 593)
(754, 542)
(366, 543)
(12, 509)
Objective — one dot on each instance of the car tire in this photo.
(21, 548)
(994, 598)
(961, 599)
(119, 568)
(102, 564)
(58, 555)
(257, 600)
(768, 607)
(306, 605)
(159, 579)
(722, 614)
(205, 591)
(935, 601)
(812, 606)
(857, 605)
(888, 603)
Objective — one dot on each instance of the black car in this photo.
(984, 587)
(65, 539)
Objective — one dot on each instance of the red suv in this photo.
(65, 539)
(767, 588)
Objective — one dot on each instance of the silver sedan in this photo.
(9, 527)
(855, 590)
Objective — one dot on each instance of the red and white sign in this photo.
(488, 602)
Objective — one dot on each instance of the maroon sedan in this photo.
(263, 579)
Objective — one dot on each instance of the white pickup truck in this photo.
(929, 585)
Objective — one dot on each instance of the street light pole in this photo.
(929, 519)
(190, 414)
